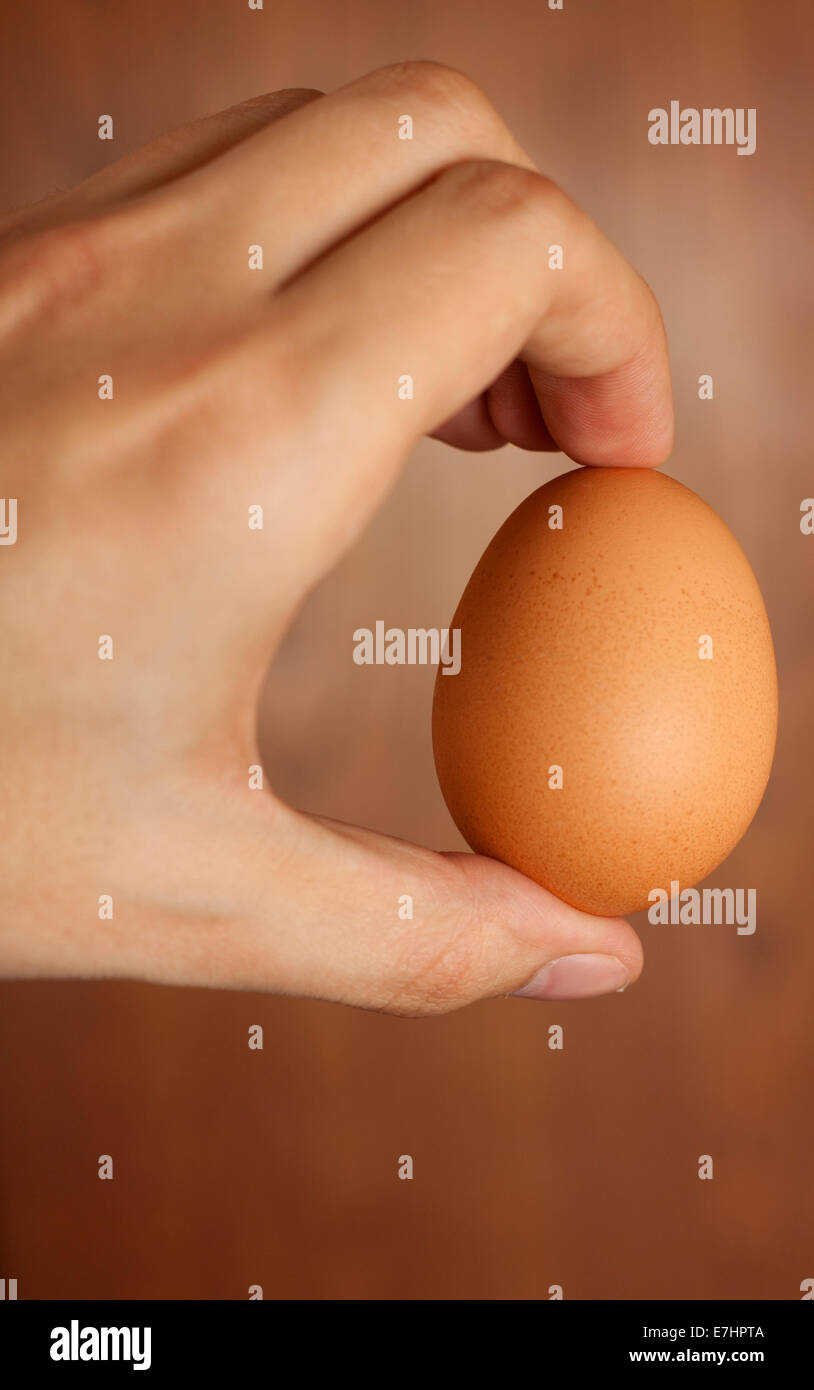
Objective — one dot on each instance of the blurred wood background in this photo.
(532, 1167)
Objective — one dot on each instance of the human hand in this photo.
(128, 778)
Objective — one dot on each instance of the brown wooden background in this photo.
(532, 1167)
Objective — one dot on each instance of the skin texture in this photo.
(232, 387)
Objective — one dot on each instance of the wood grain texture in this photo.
(532, 1167)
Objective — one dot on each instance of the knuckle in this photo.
(58, 270)
(446, 968)
(447, 92)
(223, 387)
(424, 75)
(287, 373)
(436, 986)
(502, 189)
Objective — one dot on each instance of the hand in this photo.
(126, 781)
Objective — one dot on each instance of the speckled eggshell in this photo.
(580, 651)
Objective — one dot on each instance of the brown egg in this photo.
(612, 726)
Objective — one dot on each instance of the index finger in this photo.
(447, 288)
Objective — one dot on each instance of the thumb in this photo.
(360, 918)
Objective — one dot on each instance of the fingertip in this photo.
(622, 419)
(531, 929)
(471, 429)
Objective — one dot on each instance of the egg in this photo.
(612, 725)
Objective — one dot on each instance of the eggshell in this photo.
(583, 649)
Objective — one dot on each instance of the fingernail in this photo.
(576, 977)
